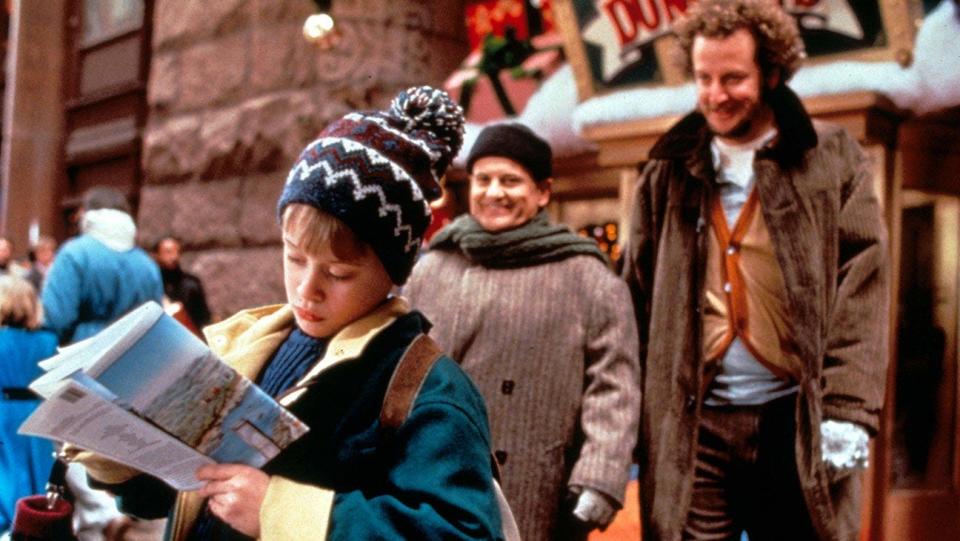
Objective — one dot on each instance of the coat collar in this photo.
(689, 138)
(248, 339)
(349, 343)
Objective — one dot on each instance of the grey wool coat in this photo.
(816, 194)
(553, 350)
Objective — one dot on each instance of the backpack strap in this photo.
(402, 391)
(407, 379)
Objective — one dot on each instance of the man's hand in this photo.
(235, 494)
(845, 447)
(116, 529)
(592, 509)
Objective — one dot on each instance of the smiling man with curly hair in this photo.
(756, 259)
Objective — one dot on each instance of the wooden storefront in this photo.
(76, 108)
(912, 489)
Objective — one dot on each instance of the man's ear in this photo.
(546, 189)
(773, 78)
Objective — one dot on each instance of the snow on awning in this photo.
(545, 107)
(930, 83)
(484, 106)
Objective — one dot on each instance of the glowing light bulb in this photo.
(320, 29)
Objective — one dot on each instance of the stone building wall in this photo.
(235, 93)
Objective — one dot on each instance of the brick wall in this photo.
(235, 93)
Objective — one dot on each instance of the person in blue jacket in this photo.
(353, 214)
(25, 462)
(95, 279)
(100, 275)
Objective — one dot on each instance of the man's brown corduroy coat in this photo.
(816, 194)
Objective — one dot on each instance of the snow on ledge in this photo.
(931, 83)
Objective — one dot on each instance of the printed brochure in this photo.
(147, 393)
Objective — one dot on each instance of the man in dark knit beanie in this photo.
(559, 377)
(516, 142)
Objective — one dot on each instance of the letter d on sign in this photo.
(621, 15)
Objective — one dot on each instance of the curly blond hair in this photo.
(779, 46)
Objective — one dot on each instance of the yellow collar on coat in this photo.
(247, 340)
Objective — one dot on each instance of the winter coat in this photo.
(345, 479)
(91, 285)
(815, 187)
(181, 286)
(552, 347)
(25, 461)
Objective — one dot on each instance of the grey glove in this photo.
(593, 508)
(845, 447)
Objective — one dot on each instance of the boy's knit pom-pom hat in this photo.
(378, 171)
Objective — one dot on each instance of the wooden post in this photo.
(31, 157)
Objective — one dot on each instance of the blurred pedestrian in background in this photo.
(95, 279)
(25, 462)
(41, 260)
(180, 286)
(545, 328)
(100, 275)
(6, 255)
(7, 264)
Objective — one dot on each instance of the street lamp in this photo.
(320, 28)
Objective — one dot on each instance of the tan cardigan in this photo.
(744, 293)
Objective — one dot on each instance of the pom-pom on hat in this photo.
(378, 171)
(517, 142)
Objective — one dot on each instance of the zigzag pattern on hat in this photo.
(400, 148)
(374, 157)
(376, 172)
(385, 124)
(342, 151)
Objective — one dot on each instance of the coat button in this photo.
(507, 386)
(501, 456)
(691, 403)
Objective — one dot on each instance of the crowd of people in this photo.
(736, 360)
(97, 277)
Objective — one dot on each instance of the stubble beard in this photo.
(754, 115)
(741, 128)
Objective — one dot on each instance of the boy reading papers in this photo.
(353, 213)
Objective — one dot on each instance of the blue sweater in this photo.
(290, 362)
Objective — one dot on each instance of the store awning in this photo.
(484, 106)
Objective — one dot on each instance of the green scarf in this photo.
(536, 242)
